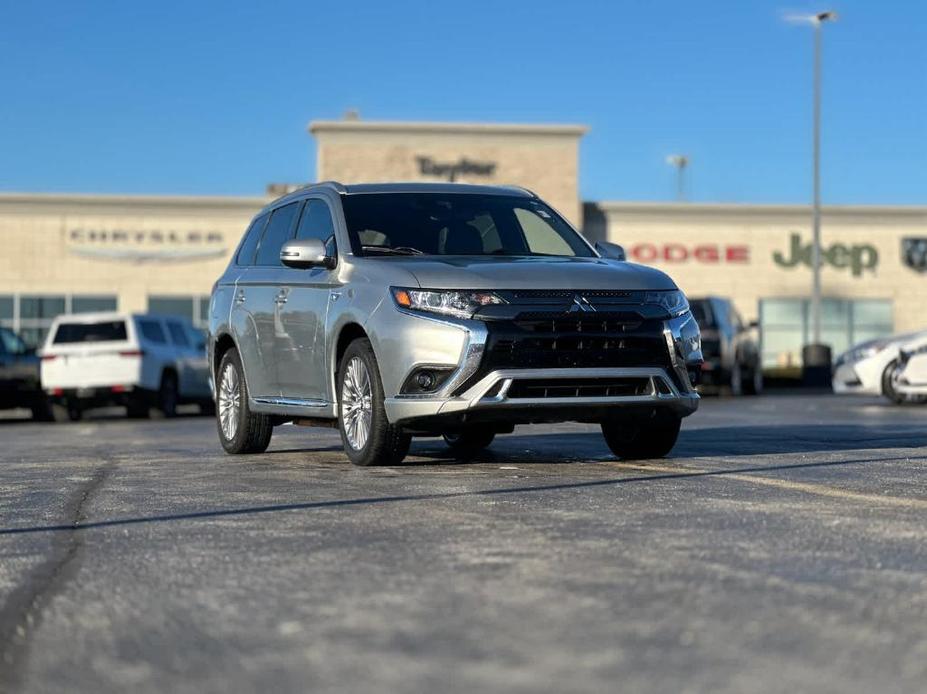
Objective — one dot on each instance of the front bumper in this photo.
(542, 394)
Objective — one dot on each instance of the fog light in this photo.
(425, 380)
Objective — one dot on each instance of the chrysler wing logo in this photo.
(581, 303)
(914, 253)
(145, 245)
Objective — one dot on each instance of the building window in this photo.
(31, 315)
(193, 308)
(786, 326)
(92, 304)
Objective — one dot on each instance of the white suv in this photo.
(148, 363)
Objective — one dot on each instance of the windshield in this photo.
(457, 224)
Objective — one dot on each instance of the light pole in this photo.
(680, 162)
(817, 21)
(816, 353)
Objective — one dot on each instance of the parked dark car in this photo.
(19, 376)
(732, 355)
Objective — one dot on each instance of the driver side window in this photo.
(316, 223)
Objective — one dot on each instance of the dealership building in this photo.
(73, 253)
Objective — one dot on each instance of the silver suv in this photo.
(401, 310)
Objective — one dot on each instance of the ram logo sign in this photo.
(858, 259)
(914, 253)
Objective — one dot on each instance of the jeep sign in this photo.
(857, 258)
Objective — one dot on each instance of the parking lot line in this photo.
(805, 487)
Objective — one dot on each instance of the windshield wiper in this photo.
(394, 250)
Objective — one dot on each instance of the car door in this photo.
(303, 301)
(255, 318)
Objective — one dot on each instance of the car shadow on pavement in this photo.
(440, 496)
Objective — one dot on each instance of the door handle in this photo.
(240, 297)
(281, 297)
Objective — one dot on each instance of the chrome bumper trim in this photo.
(662, 392)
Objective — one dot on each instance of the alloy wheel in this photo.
(356, 403)
(229, 402)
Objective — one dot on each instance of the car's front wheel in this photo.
(367, 435)
(644, 437)
(888, 383)
(240, 429)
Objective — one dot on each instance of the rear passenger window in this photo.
(279, 230)
(252, 236)
(178, 334)
(152, 331)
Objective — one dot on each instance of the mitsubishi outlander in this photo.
(401, 310)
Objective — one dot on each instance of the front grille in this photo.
(570, 293)
(574, 341)
(579, 388)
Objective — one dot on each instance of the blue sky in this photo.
(214, 98)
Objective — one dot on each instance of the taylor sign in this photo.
(451, 170)
(145, 245)
(858, 258)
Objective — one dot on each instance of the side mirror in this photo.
(612, 251)
(305, 253)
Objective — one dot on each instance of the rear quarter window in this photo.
(104, 331)
(151, 331)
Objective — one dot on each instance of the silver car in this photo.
(401, 310)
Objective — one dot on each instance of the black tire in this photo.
(468, 442)
(137, 408)
(385, 443)
(736, 382)
(888, 388)
(252, 431)
(754, 384)
(167, 397)
(41, 411)
(642, 437)
(68, 411)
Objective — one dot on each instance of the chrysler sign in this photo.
(148, 245)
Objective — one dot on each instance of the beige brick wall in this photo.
(38, 256)
(544, 159)
(765, 230)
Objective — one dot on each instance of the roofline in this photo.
(317, 126)
(690, 209)
(28, 202)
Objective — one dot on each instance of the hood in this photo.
(532, 272)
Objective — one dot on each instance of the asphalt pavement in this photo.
(782, 547)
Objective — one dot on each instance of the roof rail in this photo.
(521, 188)
(339, 187)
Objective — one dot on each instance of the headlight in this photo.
(450, 302)
(865, 351)
(674, 302)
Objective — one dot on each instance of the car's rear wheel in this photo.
(367, 435)
(468, 442)
(240, 429)
(166, 398)
(737, 379)
(67, 411)
(642, 437)
(754, 384)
